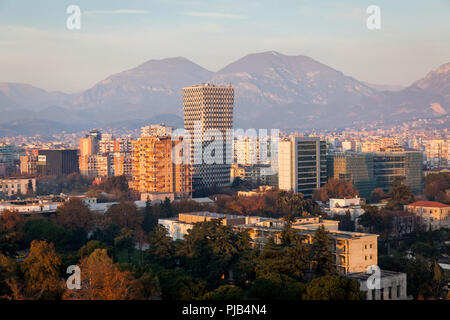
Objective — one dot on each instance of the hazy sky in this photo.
(37, 48)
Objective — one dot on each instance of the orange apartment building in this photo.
(154, 169)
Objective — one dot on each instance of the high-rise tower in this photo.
(208, 116)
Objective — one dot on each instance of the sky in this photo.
(37, 48)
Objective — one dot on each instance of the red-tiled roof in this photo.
(428, 204)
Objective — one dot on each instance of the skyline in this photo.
(115, 37)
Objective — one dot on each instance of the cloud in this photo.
(214, 15)
(120, 11)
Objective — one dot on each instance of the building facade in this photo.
(406, 166)
(208, 109)
(356, 168)
(12, 186)
(302, 165)
(158, 165)
(57, 162)
(433, 215)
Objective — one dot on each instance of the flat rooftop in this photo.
(215, 215)
(364, 276)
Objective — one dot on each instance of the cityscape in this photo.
(276, 177)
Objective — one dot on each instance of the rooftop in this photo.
(365, 276)
(428, 204)
(213, 215)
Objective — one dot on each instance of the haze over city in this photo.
(116, 36)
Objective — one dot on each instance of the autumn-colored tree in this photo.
(377, 194)
(11, 220)
(436, 186)
(11, 223)
(102, 280)
(335, 188)
(41, 272)
(74, 214)
(125, 215)
(8, 273)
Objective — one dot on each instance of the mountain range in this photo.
(272, 90)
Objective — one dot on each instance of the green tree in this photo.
(42, 230)
(333, 288)
(89, 247)
(161, 248)
(166, 210)
(400, 195)
(320, 252)
(124, 242)
(225, 292)
(149, 221)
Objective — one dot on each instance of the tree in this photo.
(161, 247)
(210, 250)
(146, 288)
(225, 292)
(376, 221)
(90, 247)
(435, 186)
(400, 195)
(166, 210)
(273, 286)
(117, 186)
(102, 280)
(377, 195)
(125, 241)
(40, 268)
(74, 214)
(8, 272)
(333, 288)
(149, 221)
(40, 229)
(11, 221)
(125, 215)
(177, 285)
(335, 188)
(321, 255)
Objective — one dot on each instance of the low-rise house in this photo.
(434, 215)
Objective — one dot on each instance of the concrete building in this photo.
(437, 153)
(302, 164)
(159, 165)
(256, 174)
(433, 215)
(57, 162)
(208, 110)
(12, 186)
(95, 165)
(392, 285)
(88, 146)
(156, 130)
(179, 227)
(122, 164)
(28, 165)
(352, 251)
